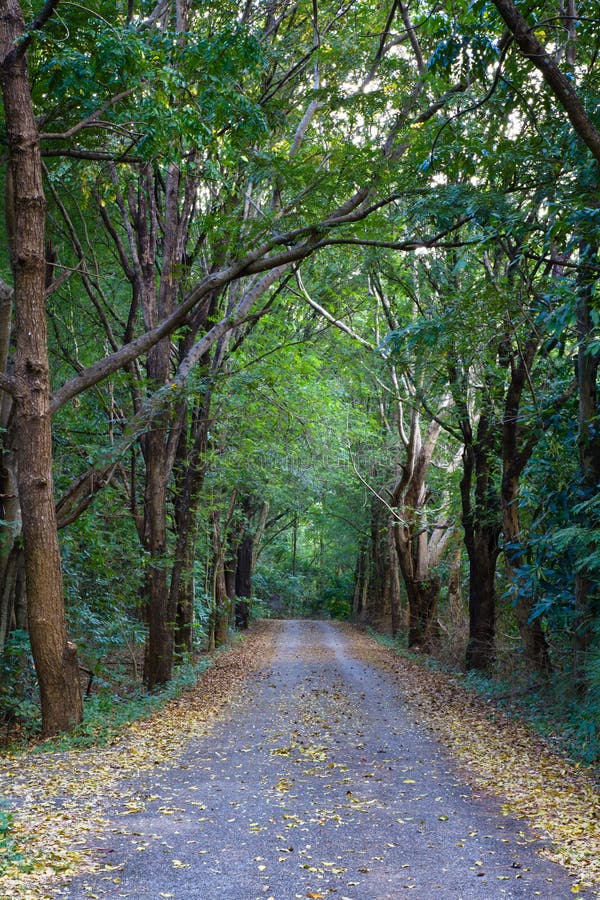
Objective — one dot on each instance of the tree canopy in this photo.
(298, 316)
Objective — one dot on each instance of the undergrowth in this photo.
(9, 856)
(105, 713)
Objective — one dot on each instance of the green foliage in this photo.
(259, 609)
(568, 721)
(581, 541)
(102, 604)
(10, 858)
(284, 594)
(212, 74)
(107, 713)
(18, 683)
(295, 422)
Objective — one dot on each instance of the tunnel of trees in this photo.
(298, 316)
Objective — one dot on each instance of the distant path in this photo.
(318, 785)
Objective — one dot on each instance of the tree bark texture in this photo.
(481, 523)
(54, 655)
(157, 304)
(417, 551)
(220, 598)
(190, 472)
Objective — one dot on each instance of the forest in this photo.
(298, 318)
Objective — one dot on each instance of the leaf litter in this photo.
(506, 758)
(58, 798)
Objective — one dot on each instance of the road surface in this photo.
(316, 783)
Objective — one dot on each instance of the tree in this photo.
(55, 656)
(265, 249)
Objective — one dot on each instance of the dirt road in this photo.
(317, 783)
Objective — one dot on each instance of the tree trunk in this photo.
(422, 592)
(157, 306)
(231, 571)
(243, 580)
(184, 604)
(222, 614)
(13, 599)
(482, 603)
(220, 598)
(10, 510)
(158, 667)
(11, 555)
(360, 584)
(480, 517)
(417, 550)
(423, 631)
(374, 611)
(394, 575)
(54, 655)
(190, 471)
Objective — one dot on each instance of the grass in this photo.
(106, 713)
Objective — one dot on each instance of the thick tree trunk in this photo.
(482, 602)
(222, 619)
(423, 631)
(54, 655)
(422, 591)
(157, 306)
(190, 471)
(481, 523)
(417, 550)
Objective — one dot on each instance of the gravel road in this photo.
(316, 783)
